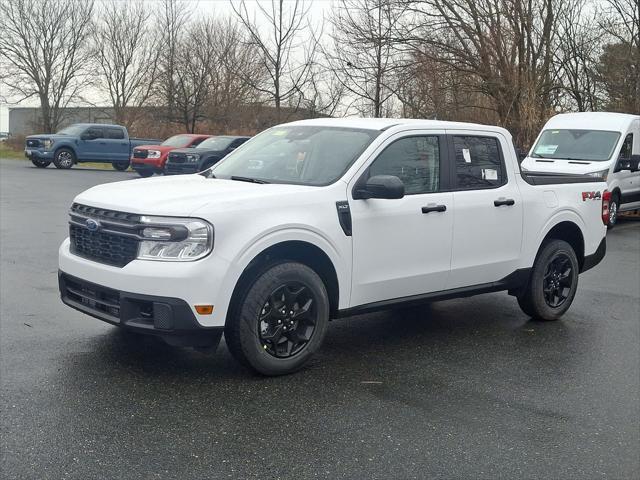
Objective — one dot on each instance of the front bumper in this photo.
(143, 165)
(166, 317)
(181, 168)
(34, 154)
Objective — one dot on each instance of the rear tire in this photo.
(120, 166)
(40, 163)
(614, 207)
(280, 320)
(553, 282)
(64, 159)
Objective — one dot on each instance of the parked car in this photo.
(601, 144)
(202, 156)
(343, 216)
(150, 159)
(83, 142)
(4, 136)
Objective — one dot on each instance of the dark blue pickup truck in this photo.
(84, 142)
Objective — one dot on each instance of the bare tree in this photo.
(172, 20)
(508, 45)
(43, 48)
(363, 55)
(576, 57)
(619, 66)
(127, 52)
(286, 46)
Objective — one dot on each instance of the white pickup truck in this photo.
(325, 218)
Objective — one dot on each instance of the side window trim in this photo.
(444, 176)
(453, 174)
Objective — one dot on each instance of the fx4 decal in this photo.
(591, 196)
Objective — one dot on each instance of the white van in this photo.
(594, 143)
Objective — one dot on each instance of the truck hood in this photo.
(162, 148)
(199, 151)
(53, 136)
(577, 167)
(180, 196)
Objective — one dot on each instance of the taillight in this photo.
(606, 198)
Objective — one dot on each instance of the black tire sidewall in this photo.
(250, 306)
(536, 301)
(120, 166)
(40, 163)
(145, 173)
(56, 161)
(614, 199)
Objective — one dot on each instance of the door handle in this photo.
(434, 208)
(504, 201)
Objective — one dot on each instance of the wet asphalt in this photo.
(460, 389)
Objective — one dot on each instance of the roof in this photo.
(592, 121)
(386, 123)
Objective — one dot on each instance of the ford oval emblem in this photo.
(92, 225)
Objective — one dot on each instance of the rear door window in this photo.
(114, 133)
(478, 163)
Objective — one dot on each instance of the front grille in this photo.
(177, 158)
(140, 153)
(114, 242)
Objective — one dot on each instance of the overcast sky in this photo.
(317, 11)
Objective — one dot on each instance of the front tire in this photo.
(120, 166)
(64, 159)
(40, 163)
(280, 321)
(614, 207)
(553, 282)
(145, 173)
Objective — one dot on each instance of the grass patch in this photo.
(7, 152)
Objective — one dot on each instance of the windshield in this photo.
(588, 145)
(72, 130)
(304, 155)
(179, 141)
(215, 143)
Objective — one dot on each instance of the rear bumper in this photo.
(167, 317)
(595, 258)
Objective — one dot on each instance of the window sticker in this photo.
(466, 154)
(489, 174)
(546, 149)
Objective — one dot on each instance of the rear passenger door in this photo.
(116, 146)
(487, 225)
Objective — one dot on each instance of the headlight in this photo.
(47, 143)
(193, 158)
(175, 239)
(602, 173)
(153, 154)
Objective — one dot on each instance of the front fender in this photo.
(271, 238)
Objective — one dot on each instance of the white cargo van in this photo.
(594, 143)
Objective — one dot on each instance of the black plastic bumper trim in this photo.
(167, 317)
(595, 258)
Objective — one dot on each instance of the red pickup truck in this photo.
(150, 159)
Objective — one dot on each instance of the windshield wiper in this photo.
(247, 179)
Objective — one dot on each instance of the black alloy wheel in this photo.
(287, 320)
(558, 280)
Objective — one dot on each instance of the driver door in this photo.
(402, 247)
(89, 145)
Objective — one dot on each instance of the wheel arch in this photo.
(66, 146)
(300, 251)
(571, 233)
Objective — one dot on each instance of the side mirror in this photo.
(635, 162)
(380, 186)
(623, 164)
